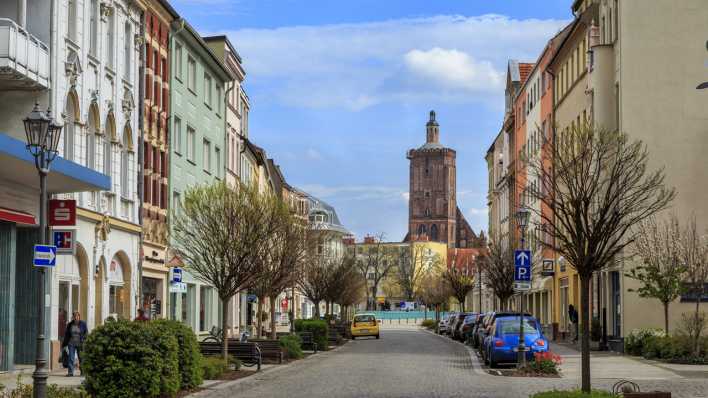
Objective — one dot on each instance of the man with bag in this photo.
(74, 338)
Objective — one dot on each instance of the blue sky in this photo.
(340, 90)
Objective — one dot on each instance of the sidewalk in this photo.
(58, 377)
(610, 365)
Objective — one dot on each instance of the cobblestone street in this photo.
(412, 363)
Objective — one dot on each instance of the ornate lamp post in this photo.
(522, 222)
(43, 135)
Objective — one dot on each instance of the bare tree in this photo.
(434, 292)
(461, 282)
(374, 262)
(661, 271)
(314, 277)
(220, 234)
(413, 266)
(597, 186)
(499, 270)
(694, 254)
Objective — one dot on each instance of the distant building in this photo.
(432, 209)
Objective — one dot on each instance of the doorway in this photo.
(69, 300)
(615, 294)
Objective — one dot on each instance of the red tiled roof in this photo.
(524, 70)
(464, 257)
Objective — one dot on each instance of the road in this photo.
(409, 363)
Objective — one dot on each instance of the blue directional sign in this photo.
(522, 265)
(176, 274)
(45, 256)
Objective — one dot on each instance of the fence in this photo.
(404, 317)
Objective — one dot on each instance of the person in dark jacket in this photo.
(74, 337)
(573, 317)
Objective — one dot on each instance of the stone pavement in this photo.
(58, 377)
(415, 363)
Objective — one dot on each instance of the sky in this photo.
(341, 89)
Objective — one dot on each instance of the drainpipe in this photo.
(141, 157)
(22, 13)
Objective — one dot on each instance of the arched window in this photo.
(126, 160)
(71, 19)
(71, 112)
(108, 142)
(93, 130)
(127, 50)
(434, 232)
(422, 230)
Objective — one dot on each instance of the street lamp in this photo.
(43, 135)
(522, 221)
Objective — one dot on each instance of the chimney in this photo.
(432, 128)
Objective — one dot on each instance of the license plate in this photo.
(364, 331)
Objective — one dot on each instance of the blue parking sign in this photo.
(522, 265)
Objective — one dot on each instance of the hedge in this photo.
(190, 359)
(131, 359)
(318, 328)
(292, 346)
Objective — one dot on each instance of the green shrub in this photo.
(235, 362)
(574, 394)
(318, 328)
(189, 357)
(428, 324)
(292, 346)
(130, 359)
(23, 390)
(634, 342)
(214, 367)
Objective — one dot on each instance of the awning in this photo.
(17, 166)
(17, 216)
(541, 284)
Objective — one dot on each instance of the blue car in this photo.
(501, 342)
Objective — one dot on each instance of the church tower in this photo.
(432, 203)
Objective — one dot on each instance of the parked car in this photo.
(365, 324)
(479, 324)
(466, 328)
(442, 325)
(504, 338)
(450, 322)
(485, 327)
(455, 325)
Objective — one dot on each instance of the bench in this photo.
(269, 348)
(333, 337)
(248, 353)
(308, 341)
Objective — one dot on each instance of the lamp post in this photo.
(522, 221)
(43, 135)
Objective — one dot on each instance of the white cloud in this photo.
(313, 154)
(453, 69)
(357, 65)
(356, 192)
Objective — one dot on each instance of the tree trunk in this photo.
(585, 330)
(666, 318)
(462, 304)
(272, 316)
(696, 339)
(259, 322)
(317, 309)
(224, 323)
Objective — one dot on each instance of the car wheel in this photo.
(377, 337)
(492, 362)
(353, 337)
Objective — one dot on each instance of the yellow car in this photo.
(365, 325)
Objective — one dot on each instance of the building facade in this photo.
(197, 112)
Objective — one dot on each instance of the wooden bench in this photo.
(269, 348)
(333, 337)
(248, 353)
(307, 341)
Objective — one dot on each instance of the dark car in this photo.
(456, 323)
(450, 321)
(466, 328)
(503, 339)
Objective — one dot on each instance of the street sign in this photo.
(548, 268)
(45, 256)
(62, 212)
(522, 265)
(522, 286)
(177, 275)
(64, 240)
(178, 287)
(251, 298)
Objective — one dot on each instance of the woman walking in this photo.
(74, 338)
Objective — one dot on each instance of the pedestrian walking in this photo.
(573, 317)
(74, 337)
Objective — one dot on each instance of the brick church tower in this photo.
(432, 208)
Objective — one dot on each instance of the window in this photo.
(191, 74)
(176, 202)
(691, 295)
(178, 61)
(434, 232)
(93, 21)
(91, 147)
(177, 135)
(71, 20)
(207, 89)
(107, 158)
(206, 156)
(69, 130)
(218, 99)
(191, 143)
(127, 43)
(217, 157)
(110, 41)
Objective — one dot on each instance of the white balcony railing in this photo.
(24, 59)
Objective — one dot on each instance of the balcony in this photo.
(24, 60)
